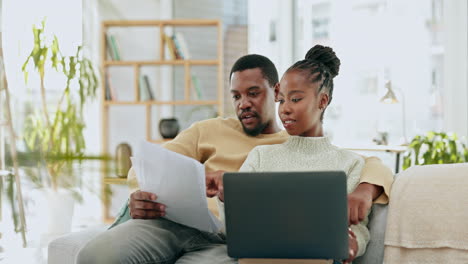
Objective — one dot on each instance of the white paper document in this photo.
(178, 182)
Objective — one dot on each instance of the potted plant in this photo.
(54, 130)
(435, 148)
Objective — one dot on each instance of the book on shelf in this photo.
(177, 51)
(182, 46)
(145, 88)
(112, 47)
(109, 49)
(196, 87)
(107, 95)
(110, 54)
(110, 94)
(169, 43)
(148, 87)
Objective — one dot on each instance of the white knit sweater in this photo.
(309, 154)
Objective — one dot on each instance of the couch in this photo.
(64, 250)
(440, 185)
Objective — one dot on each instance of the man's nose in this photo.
(245, 103)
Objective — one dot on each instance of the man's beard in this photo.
(257, 130)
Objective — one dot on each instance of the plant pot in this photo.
(168, 127)
(61, 204)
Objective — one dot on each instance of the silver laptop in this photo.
(286, 215)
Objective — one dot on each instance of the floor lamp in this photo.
(390, 98)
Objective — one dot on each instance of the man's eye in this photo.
(281, 101)
(235, 97)
(253, 94)
(295, 100)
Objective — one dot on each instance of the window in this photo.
(17, 42)
(379, 41)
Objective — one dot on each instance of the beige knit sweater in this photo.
(309, 154)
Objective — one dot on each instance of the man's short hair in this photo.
(253, 61)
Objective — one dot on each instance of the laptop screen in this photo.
(286, 214)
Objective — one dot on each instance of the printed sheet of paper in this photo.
(179, 183)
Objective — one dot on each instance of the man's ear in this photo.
(324, 99)
(276, 87)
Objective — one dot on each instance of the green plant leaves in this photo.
(62, 136)
(435, 148)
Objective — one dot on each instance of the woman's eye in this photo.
(253, 94)
(235, 97)
(295, 100)
(281, 101)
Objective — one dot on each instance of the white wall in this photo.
(456, 67)
(267, 17)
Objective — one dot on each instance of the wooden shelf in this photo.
(179, 22)
(115, 180)
(160, 141)
(161, 102)
(162, 30)
(161, 62)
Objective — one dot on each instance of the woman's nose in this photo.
(285, 108)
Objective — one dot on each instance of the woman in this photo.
(304, 93)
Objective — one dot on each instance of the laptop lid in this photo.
(286, 214)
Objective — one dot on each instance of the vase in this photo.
(168, 127)
(123, 153)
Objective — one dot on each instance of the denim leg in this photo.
(157, 241)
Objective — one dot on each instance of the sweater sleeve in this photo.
(186, 143)
(362, 237)
(374, 172)
(360, 230)
(250, 164)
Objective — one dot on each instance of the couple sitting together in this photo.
(251, 142)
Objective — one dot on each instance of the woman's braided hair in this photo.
(320, 64)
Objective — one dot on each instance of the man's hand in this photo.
(359, 202)
(214, 184)
(353, 247)
(142, 207)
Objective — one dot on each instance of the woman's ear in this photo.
(324, 99)
(277, 85)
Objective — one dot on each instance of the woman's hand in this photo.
(353, 247)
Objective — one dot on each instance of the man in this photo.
(222, 145)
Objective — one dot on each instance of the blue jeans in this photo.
(157, 241)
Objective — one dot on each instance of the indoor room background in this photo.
(417, 48)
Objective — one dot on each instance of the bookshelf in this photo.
(165, 57)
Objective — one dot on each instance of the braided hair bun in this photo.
(325, 56)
